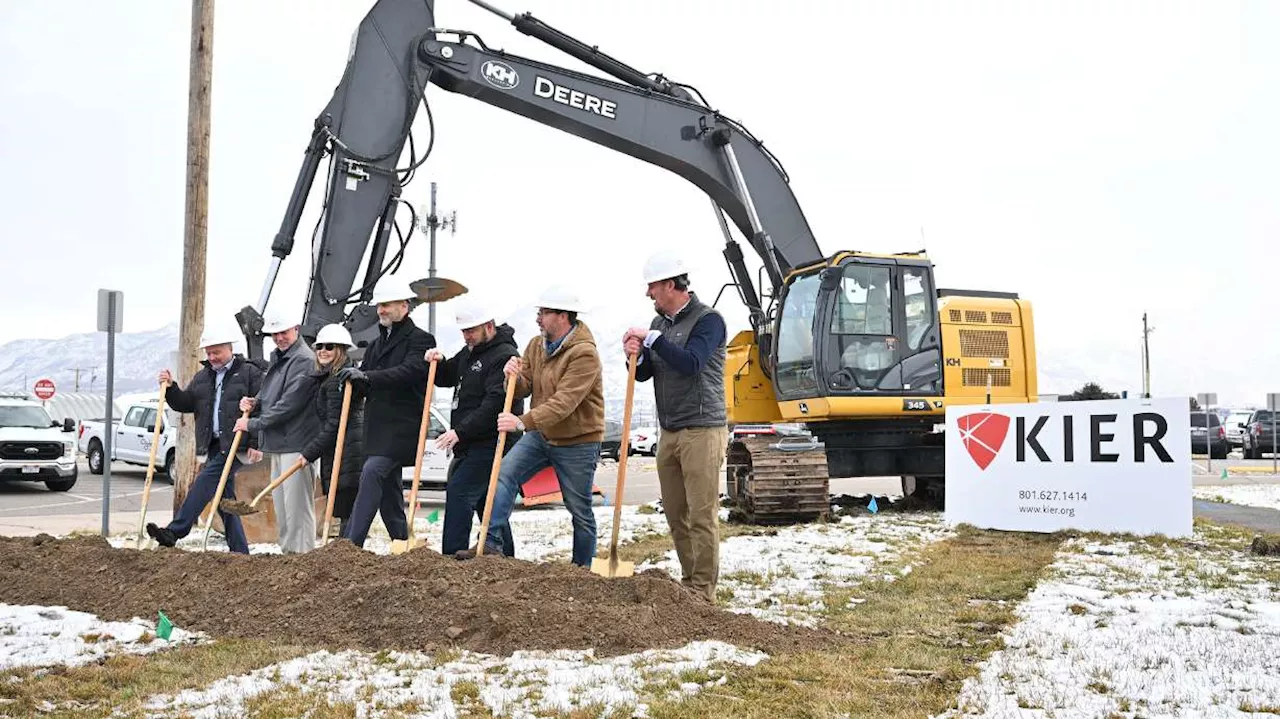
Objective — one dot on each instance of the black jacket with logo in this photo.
(397, 389)
(480, 389)
(243, 379)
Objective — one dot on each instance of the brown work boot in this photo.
(489, 548)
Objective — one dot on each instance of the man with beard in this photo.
(475, 373)
(394, 380)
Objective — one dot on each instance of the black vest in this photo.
(688, 401)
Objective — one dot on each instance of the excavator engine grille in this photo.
(984, 343)
(1002, 318)
(975, 316)
(955, 315)
(977, 377)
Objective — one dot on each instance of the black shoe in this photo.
(489, 548)
(163, 535)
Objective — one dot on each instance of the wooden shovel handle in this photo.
(337, 459)
(497, 464)
(279, 480)
(151, 464)
(423, 426)
(222, 482)
(623, 451)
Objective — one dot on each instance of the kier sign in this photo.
(45, 389)
(1106, 465)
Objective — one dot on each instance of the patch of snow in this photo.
(1254, 495)
(523, 685)
(1122, 628)
(36, 636)
(782, 576)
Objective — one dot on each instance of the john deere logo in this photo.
(500, 75)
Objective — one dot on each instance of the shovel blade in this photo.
(237, 507)
(400, 546)
(612, 567)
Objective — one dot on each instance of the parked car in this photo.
(1212, 441)
(644, 440)
(131, 441)
(1235, 422)
(33, 447)
(1259, 437)
(611, 447)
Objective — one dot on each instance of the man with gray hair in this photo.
(280, 416)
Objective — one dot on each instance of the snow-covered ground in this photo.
(1130, 629)
(1255, 495)
(781, 576)
(526, 684)
(35, 636)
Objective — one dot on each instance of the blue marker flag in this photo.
(873, 506)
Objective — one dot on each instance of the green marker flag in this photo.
(1224, 472)
(434, 516)
(164, 627)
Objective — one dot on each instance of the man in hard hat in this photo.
(683, 352)
(564, 427)
(213, 395)
(394, 378)
(475, 373)
(283, 422)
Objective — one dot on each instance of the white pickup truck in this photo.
(33, 447)
(131, 442)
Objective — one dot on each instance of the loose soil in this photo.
(341, 597)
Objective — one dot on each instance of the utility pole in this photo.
(195, 237)
(78, 370)
(429, 226)
(1146, 358)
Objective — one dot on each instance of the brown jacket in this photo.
(567, 388)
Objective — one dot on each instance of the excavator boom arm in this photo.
(397, 51)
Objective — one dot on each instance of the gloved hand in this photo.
(355, 376)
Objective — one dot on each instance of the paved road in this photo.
(1262, 519)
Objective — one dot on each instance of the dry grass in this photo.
(920, 637)
(118, 686)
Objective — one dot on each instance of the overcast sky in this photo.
(1102, 159)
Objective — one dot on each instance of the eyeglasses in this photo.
(328, 346)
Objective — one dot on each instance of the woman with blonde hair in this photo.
(332, 347)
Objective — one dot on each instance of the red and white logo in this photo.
(983, 434)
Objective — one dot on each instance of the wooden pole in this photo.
(196, 232)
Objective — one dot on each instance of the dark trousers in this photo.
(381, 492)
(201, 493)
(465, 491)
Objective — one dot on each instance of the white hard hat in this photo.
(220, 336)
(277, 323)
(392, 291)
(663, 266)
(560, 298)
(471, 314)
(334, 334)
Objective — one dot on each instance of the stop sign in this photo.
(45, 388)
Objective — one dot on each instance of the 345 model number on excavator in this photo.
(585, 101)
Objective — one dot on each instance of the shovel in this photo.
(337, 461)
(614, 567)
(240, 508)
(222, 484)
(493, 473)
(400, 546)
(151, 466)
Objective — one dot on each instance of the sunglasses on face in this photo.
(328, 346)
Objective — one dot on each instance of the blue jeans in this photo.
(201, 493)
(381, 491)
(575, 467)
(465, 492)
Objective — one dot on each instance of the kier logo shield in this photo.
(983, 434)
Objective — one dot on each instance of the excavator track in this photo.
(773, 481)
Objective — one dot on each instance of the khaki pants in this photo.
(294, 502)
(689, 475)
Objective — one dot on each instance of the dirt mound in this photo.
(339, 597)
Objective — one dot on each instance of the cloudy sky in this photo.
(1101, 159)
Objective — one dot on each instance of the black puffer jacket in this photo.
(397, 390)
(480, 389)
(243, 379)
(328, 408)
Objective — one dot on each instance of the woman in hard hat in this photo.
(331, 347)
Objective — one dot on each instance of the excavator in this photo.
(861, 348)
